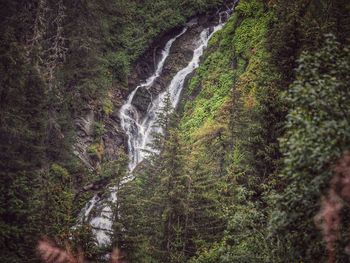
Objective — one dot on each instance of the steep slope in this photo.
(216, 158)
(230, 122)
(234, 116)
(66, 66)
(237, 173)
(141, 112)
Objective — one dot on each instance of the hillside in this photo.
(176, 131)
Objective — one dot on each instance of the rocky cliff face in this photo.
(92, 153)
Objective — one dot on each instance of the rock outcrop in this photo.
(113, 137)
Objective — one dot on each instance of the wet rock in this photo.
(142, 100)
(180, 55)
(113, 140)
(115, 115)
(144, 69)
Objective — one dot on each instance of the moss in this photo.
(251, 8)
(96, 149)
(234, 58)
(59, 171)
(234, 79)
(249, 34)
(99, 130)
(107, 105)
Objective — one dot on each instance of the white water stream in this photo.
(130, 118)
(139, 131)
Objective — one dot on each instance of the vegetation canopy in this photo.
(251, 165)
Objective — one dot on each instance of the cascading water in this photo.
(129, 116)
(139, 130)
(102, 224)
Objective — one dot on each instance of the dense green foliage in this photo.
(170, 211)
(248, 117)
(57, 59)
(271, 217)
(231, 119)
(242, 164)
(317, 134)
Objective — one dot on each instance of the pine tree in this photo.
(174, 197)
(317, 134)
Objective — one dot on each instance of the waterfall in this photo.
(130, 120)
(139, 130)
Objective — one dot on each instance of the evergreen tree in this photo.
(317, 134)
(174, 191)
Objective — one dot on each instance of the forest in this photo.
(173, 131)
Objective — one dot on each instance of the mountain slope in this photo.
(245, 160)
